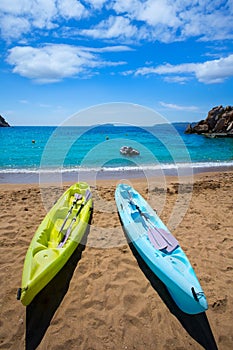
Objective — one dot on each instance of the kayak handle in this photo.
(19, 291)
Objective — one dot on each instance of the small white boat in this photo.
(129, 151)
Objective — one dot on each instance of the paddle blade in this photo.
(88, 195)
(171, 241)
(156, 240)
(77, 197)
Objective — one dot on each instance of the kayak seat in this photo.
(37, 247)
(45, 256)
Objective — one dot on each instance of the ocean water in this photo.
(69, 149)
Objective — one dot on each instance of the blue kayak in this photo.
(160, 250)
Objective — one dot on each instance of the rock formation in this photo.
(218, 123)
(3, 122)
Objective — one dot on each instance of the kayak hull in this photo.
(44, 258)
(172, 268)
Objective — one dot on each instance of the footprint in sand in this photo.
(220, 305)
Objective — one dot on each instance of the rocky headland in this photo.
(218, 123)
(3, 122)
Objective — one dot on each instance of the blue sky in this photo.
(62, 56)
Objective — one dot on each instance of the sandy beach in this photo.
(105, 297)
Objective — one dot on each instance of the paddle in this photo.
(171, 241)
(87, 197)
(156, 240)
(160, 238)
(77, 197)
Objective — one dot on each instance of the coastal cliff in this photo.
(3, 122)
(218, 123)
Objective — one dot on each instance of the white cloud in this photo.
(136, 20)
(16, 7)
(215, 71)
(116, 48)
(127, 73)
(179, 107)
(208, 20)
(42, 14)
(176, 79)
(13, 27)
(18, 17)
(113, 27)
(171, 20)
(155, 12)
(166, 69)
(162, 20)
(52, 63)
(38, 14)
(71, 9)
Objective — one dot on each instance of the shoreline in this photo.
(37, 176)
(166, 180)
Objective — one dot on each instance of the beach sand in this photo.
(105, 297)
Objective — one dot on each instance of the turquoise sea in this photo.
(35, 149)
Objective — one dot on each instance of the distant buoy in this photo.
(33, 141)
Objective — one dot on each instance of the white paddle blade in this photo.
(156, 240)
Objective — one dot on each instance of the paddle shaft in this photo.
(70, 211)
(156, 240)
(88, 196)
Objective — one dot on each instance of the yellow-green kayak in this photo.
(55, 240)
